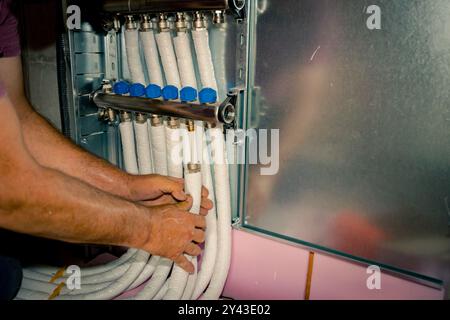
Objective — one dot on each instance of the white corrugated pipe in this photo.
(133, 56)
(221, 176)
(210, 252)
(223, 205)
(128, 146)
(198, 281)
(143, 145)
(178, 279)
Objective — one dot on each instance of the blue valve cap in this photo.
(207, 95)
(170, 92)
(153, 91)
(188, 94)
(137, 90)
(121, 87)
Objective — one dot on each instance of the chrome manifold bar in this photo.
(157, 6)
(211, 113)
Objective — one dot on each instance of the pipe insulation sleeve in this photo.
(193, 182)
(48, 288)
(184, 58)
(174, 152)
(157, 281)
(192, 279)
(151, 58)
(45, 273)
(195, 158)
(223, 204)
(162, 292)
(168, 59)
(187, 157)
(179, 278)
(143, 148)
(118, 286)
(133, 56)
(209, 254)
(107, 276)
(149, 269)
(218, 44)
(128, 147)
(158, 136)
(204, 59)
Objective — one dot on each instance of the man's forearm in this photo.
(53, 150)
(49, 204)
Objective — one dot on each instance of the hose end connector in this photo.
(199, 20)
(130, 24)
(146, 22)
(180, 22)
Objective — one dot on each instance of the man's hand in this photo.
(156, 190)
(175, 232)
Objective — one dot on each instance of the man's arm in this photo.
(47, 203)
(52, 149)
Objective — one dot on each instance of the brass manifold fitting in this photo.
(190, 125)
(173, 123)
(193, 167)
(125, 116)
(146, 22)
(141, 118)
(156, 120)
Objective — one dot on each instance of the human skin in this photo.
(50, 187)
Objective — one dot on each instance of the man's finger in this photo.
(200, 221)
(185, 205)
(185, 264)
(173, 186)
(163, 200)
(199, 236)
(193, 249)
(179, 195)
(206, 204)
(205, 192)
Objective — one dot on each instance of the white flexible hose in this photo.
(192, 279)
(174, 152)
(157, 281)
(146, 273)
(117, 287)
(151, 58)
(221, 176)
(210, 251)
(162, 155)
(187, 157)
(184, 59)
(162, 292)
(168, 59)
(35, 272)
(128, 147)
(223, 205)
(158, 135)
(48, 288)
(178, 279)
(204, 59)
(143, 148)
(98, 290)
(133, 56)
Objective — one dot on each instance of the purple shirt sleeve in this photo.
(9, 36)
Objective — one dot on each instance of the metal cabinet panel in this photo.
(364, 119)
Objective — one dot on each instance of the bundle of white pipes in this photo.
(158, 150)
